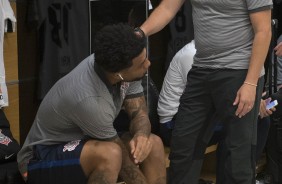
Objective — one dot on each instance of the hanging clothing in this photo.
(64, 37)
(7, 18)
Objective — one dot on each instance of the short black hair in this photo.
(116, 45)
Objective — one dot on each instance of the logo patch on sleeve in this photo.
(4, 139)
(123, 88)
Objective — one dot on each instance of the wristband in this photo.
(251, 84)
(140, 32)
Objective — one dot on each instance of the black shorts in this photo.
(57, 164)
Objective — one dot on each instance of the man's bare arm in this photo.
(140, 128)
(138, 114)
(161, 16)
(261, 22)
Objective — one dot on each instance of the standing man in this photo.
(232, 39)
(72, 139)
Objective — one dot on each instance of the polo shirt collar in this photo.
(103, 77)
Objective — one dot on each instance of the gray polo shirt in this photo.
(223, 32)
(81, 104)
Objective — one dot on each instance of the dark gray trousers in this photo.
(208, 98)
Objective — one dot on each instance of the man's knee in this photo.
(100, 155)
(104, 150)
(157, 143)
(111, 152)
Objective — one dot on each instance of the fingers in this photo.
(244, 108)
(132, 146)
(142, 147)
(137, 153)
(278, 49)
(236, 100)
(279, 52)
(263, 111)
(143, 152)
(245, 99)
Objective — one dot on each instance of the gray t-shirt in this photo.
(223, 32)
(81, 104)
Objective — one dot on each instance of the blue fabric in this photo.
(57, 164)
(50, 164)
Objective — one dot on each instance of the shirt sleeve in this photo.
(8, 16)
(254, 5)
(135, 89)
(175, 82)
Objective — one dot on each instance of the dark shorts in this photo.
(57, 164)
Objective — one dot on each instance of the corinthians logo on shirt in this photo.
(123, 88)
(4, 139)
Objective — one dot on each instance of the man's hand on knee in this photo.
(140, 147)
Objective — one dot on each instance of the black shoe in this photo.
(201, 181)
(264, 178)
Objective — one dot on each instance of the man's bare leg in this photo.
(130, 173)
(101, 161)
(153, 167)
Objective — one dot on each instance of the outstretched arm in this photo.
(161, 16)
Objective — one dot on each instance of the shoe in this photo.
(259, 182)
(201, 181)
(264, 178)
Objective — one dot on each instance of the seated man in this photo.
(72, 139)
